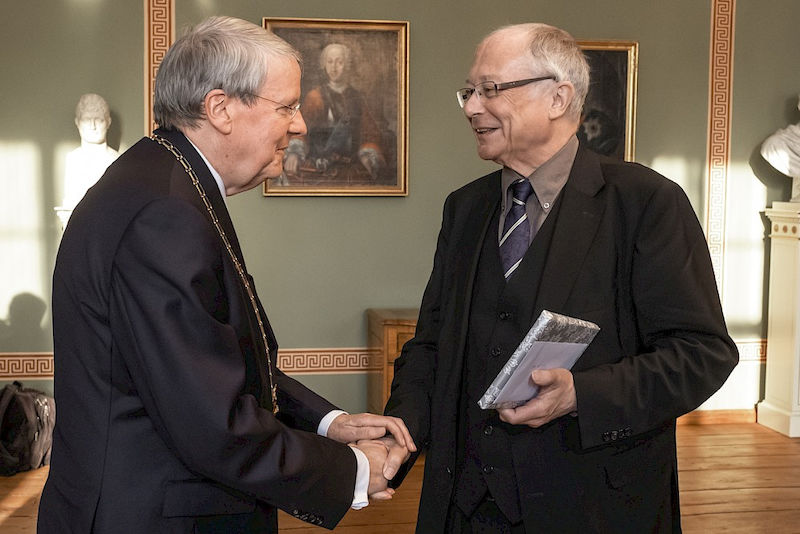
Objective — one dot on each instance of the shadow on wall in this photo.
(24, 329)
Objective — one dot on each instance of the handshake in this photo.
(385, 441)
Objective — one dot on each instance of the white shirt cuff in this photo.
(322, 429)
(360, 497)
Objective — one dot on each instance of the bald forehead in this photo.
(511, 34)
(502, 51)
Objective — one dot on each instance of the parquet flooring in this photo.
(735, 478)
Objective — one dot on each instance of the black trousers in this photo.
(486, 519)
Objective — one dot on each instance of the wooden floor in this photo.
(735, 478)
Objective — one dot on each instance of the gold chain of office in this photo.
(237, 264)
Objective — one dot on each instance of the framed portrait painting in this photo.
(609, 114)
(354, 100)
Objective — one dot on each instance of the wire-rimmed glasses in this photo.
(490, 89)
(288, 111)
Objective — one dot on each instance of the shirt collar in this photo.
(214, 173)
(549, 178)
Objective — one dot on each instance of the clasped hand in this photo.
(385, 441)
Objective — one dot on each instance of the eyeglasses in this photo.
(490, 89)
(288, 111)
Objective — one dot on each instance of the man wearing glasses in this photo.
(558, 228)
(172, 414)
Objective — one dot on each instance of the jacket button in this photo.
(488, 429)
(606, 436)
(504, 315)
(488, 469)
(496, 351)
(448, 470)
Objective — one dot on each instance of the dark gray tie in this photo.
(516, 229)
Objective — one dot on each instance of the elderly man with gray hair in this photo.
(173, 416)
(562, 229)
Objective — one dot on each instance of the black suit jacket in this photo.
(628, 254)
(163, 411)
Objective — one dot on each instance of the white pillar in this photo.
(780, 409)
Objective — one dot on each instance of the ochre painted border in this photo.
(719, 128)
(159, 32)
(14, 366)
(326, 361)
(19, 365)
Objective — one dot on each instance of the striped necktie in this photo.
(516, 229)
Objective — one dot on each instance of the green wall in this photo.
(348, 254)
(765, 98)
(51, 53)
(318, 273)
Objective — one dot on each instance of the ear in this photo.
(215, 105)
(562, 98)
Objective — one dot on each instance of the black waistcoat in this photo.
(500, 315)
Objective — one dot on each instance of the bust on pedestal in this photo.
(87, 163)
(780, 409)
(782, 151)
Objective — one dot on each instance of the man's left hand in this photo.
(348, 428)
(556, 398)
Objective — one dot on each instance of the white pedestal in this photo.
(780, 409)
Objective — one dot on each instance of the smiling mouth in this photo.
(481, 131)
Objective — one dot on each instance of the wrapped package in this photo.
(554, 341)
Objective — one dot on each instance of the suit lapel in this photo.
(476, 224)
(577, 224)
(209, 185)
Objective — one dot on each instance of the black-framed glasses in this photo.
(288, 111)
(490, 89)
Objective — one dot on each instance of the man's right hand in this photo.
(376, 453)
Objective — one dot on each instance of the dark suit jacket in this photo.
(628, 254)
(160, 374)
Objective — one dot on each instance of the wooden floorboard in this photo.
(734, 477)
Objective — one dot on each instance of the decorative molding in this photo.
(784, 230)
(159, 32)
(19, 365)
(15, 366)
(752, 351)
(719, 128)
(328, 361)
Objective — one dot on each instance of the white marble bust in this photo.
(782, 151)
(87, 163)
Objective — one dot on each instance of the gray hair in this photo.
(92, 102)
(219, 53)
(556, 51)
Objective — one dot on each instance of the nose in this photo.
(298, 124)
(473, 105)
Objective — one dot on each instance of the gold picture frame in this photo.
(354, 100)
(608, 125)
